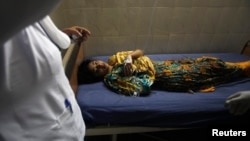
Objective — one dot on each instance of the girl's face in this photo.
(99, 68)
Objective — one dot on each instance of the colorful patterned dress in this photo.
(184, 75)
(137, 84)
(190, 75)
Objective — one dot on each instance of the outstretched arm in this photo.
(77, 32)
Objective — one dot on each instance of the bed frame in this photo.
(246, 49)
(72, 57)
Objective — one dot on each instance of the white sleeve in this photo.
(58, 37)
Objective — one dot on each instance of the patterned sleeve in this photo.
(118, 58)
(136, 85)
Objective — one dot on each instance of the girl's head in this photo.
(91, 70)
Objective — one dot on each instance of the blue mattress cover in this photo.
(100, 106)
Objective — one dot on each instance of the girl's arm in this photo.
(137, 53)
(128, 69)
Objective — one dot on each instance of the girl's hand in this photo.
(128, 68)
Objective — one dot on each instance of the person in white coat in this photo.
(36, 100)
(238, 103)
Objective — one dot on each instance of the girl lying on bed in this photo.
(132, 73)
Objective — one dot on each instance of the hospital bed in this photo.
(108, 113)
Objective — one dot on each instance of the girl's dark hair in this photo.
(84, 75)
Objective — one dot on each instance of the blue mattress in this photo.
(100, 106)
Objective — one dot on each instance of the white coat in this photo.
(36, 100)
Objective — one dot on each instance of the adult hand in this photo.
(77, 33)
(238, 103)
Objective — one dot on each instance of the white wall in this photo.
(159, 26)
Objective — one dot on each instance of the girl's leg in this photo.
(245, 66)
